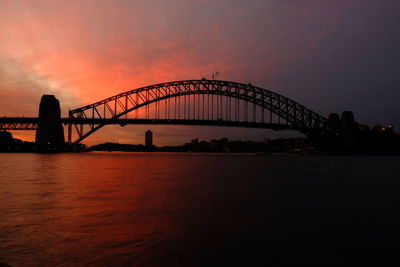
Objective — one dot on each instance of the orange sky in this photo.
(306, 51)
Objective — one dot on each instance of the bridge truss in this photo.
(200, 102)
(18, 123)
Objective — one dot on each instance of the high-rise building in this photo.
(148, 139)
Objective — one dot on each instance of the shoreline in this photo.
(260, 153)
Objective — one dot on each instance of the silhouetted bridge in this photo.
(190, 102)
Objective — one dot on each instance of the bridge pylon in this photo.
(50, 130)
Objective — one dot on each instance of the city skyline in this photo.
(327, 55)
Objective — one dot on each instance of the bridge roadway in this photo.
(31, 123)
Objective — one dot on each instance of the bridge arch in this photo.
(295, 115)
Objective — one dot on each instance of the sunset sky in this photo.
(331, 55)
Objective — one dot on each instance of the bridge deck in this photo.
(31, 123)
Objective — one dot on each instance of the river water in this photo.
(192, 209)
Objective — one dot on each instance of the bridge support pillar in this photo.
(50, 132)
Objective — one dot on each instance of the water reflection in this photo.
(189, 209)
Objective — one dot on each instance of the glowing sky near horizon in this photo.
(328, 55)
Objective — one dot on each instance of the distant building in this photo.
(148, 139)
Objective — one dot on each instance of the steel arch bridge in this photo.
(197, 102)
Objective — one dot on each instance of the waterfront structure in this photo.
(49, 131)
(188, 102)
